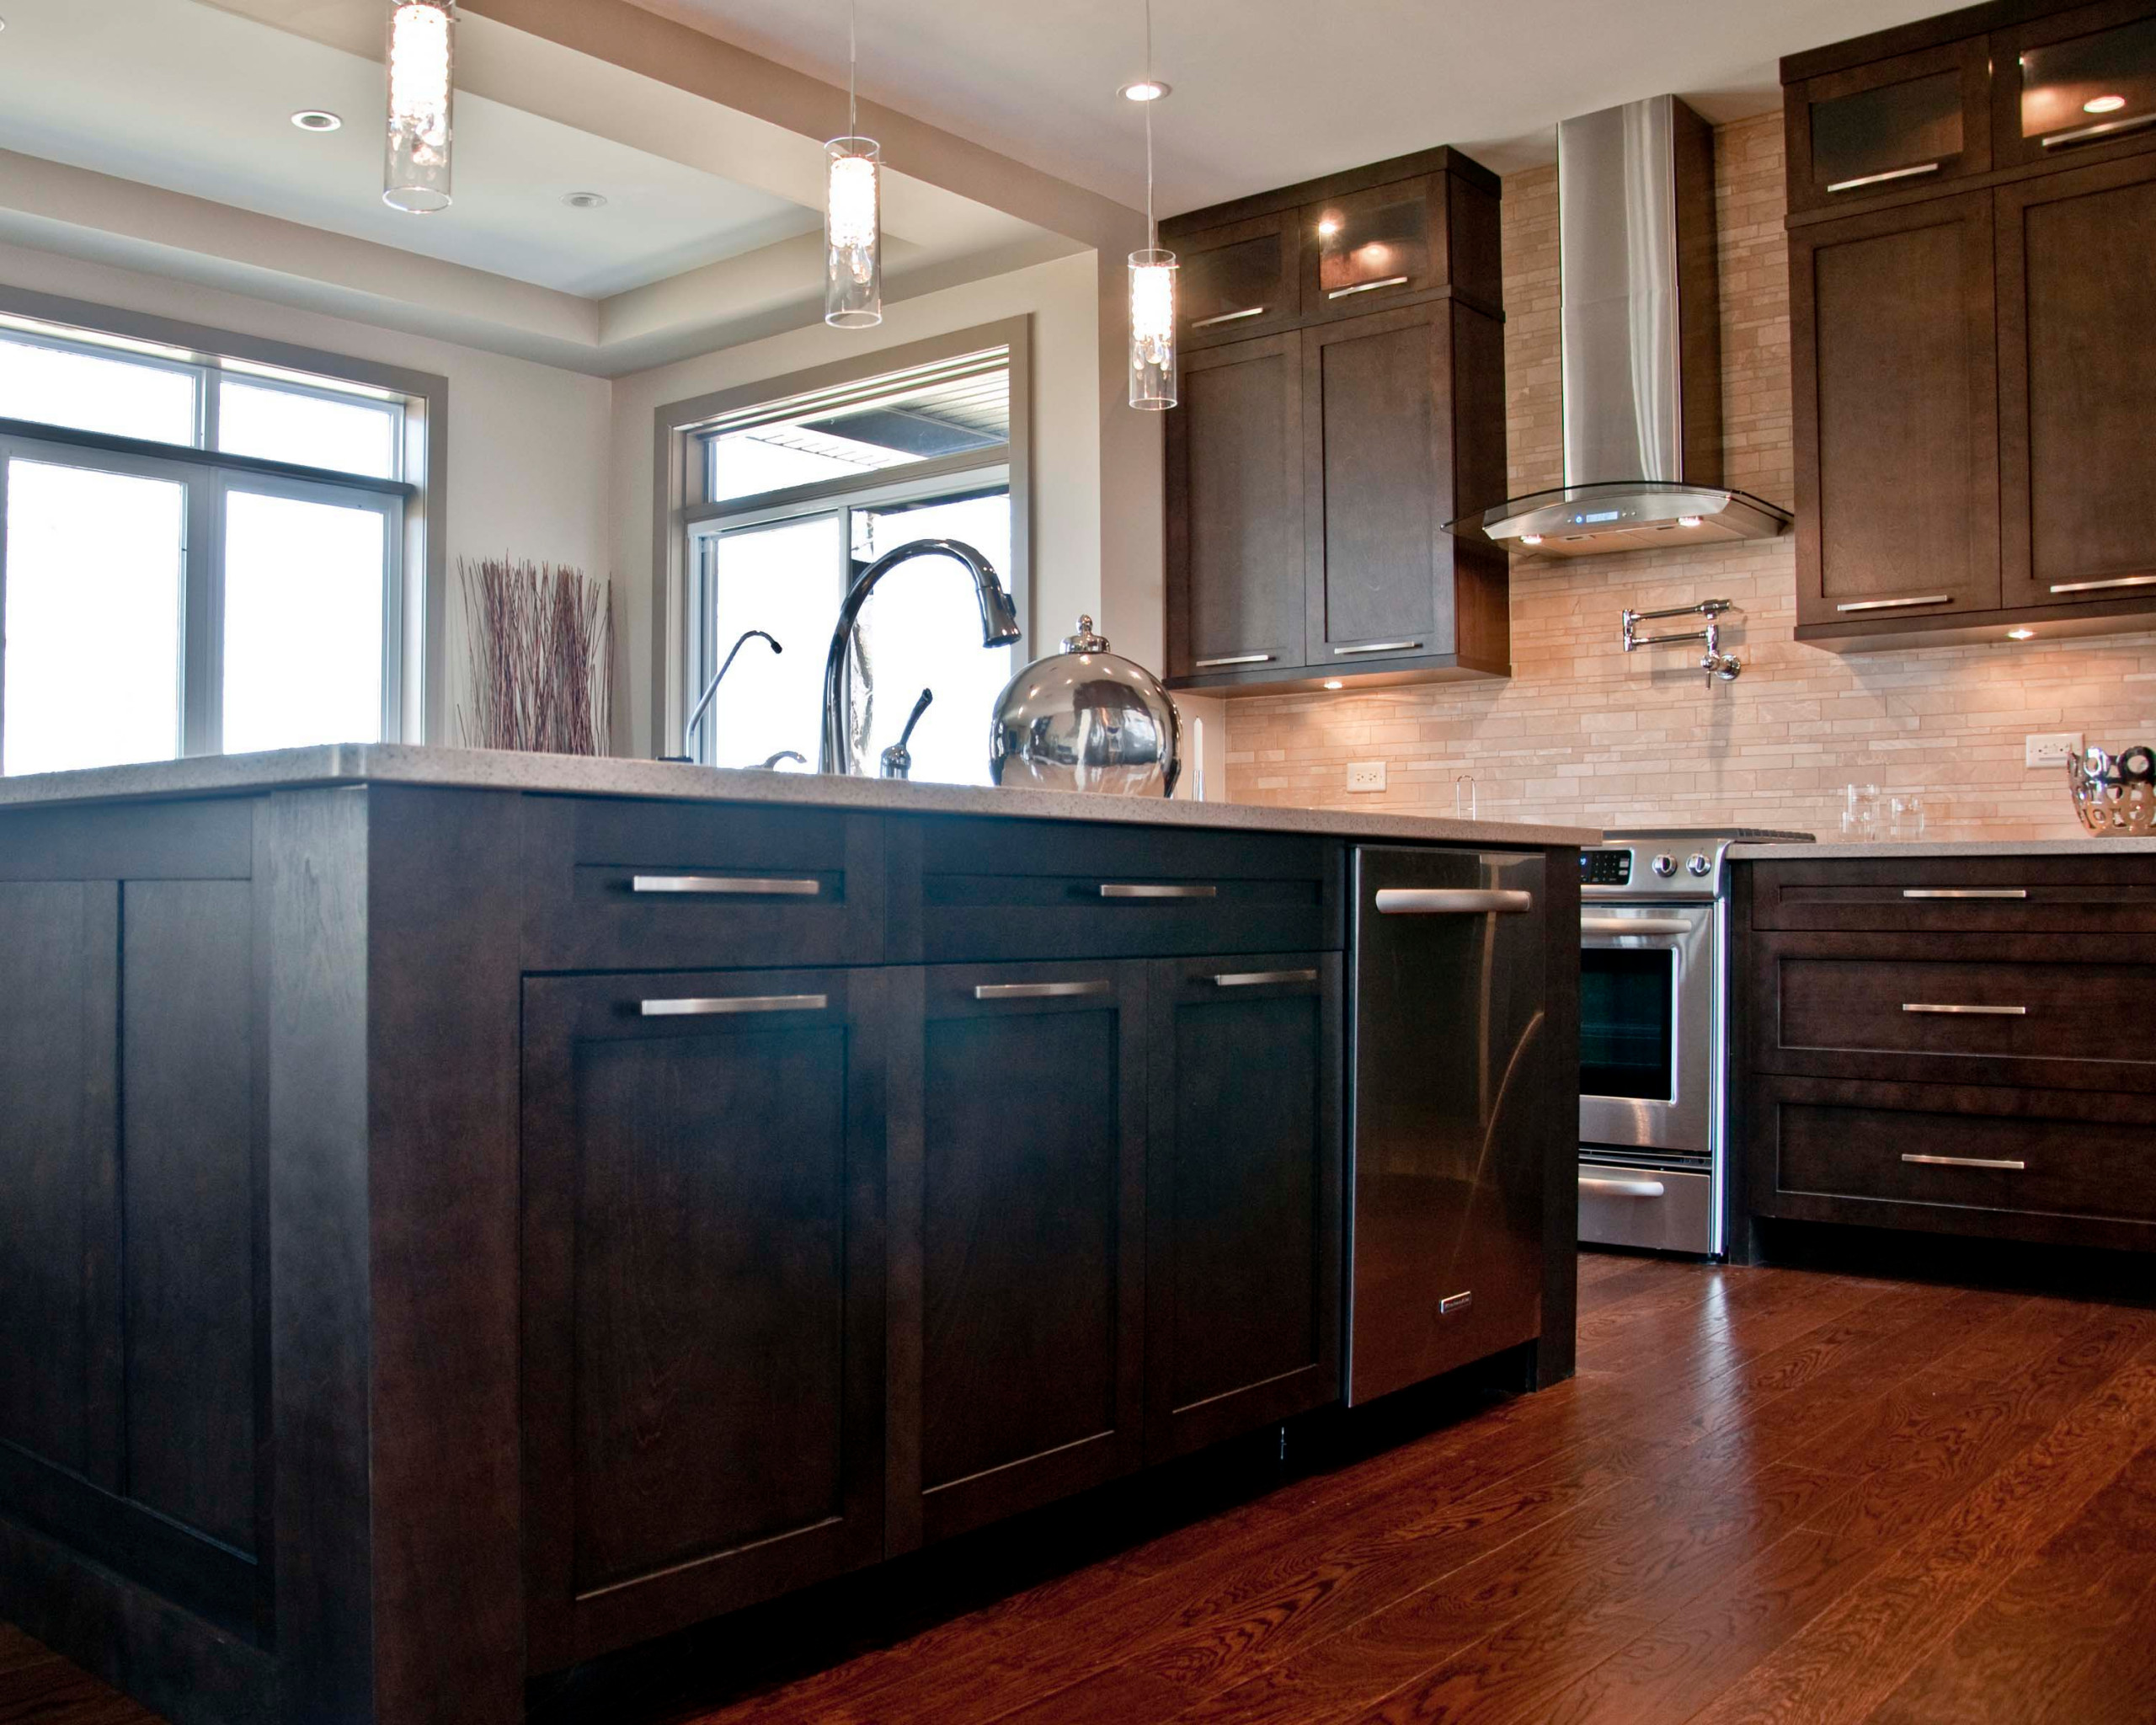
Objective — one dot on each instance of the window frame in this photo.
(680, 513)
(415, 600)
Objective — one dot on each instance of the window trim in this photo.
(678, 510)
(422, 604)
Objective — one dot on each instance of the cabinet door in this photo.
(1895, 125)
(1363, 249)
(1017, 1218)
(1896, 414)
(1234, 508)
(703, 1183)
(1239, 280)
(1380, 465)
(2076, 372)
(2076, 86)
(1242, 1216)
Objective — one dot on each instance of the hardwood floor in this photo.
(1769, 1494)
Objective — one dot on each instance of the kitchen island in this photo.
(470, 1213)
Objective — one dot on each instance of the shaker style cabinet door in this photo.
(1242, 1214)
(1892, 126)
(703, 1266)
(1016, 1239)
(1896, 414)
(1234, 512)
(2077, 356)
(2075, 87)
(1238, 280)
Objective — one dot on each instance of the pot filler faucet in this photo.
(1714, 661)
(998, 627)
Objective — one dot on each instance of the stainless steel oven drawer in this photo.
(1657, 1209)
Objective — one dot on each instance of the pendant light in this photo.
(422, 89)
(1152, 271)
(853, 214)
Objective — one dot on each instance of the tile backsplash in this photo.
(1584, 733)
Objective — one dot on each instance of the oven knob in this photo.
(1699, 864)
(1665, 865)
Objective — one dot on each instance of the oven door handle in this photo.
(1599, 1186)
(1635, 925)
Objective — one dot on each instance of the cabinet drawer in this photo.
(1954, 1009)
(965, 890)
(2010, 1162)
(612, 885)
(2031, 894)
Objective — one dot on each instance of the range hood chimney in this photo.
(1640, 338)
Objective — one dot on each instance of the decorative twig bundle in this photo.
(539, 642)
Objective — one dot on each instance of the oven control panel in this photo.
(1606, 868)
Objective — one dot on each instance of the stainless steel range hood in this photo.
(1641, 336)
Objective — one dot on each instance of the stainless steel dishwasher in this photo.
(1450, 1051)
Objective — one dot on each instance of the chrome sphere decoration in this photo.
(1086, 719)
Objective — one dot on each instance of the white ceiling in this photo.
(1269, 92)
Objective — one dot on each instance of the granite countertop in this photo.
(483, 769)
(1953, 848)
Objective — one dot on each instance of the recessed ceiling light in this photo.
(316, 120)
(2020, 634)
(584, 201)
(2103, 104)
(1145, 89)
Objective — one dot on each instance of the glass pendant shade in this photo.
(853, 234)
(1152, 329)
(422, 90)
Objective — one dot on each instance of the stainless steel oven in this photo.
(1653, 1028)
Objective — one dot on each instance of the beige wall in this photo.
(527, 443)
(1582, 733)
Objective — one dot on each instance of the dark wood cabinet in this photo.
(1017, 1240)
(1243, 1210)
(703, 1295)
(2075, 87)
(1240, 280)
(1896, 428)
(1310, 473)
(1867, 131)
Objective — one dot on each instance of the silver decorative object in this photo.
(2115, 795)
(1086, 719)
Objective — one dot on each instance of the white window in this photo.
(198, 556)
(797, 497)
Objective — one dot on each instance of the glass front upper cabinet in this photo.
(1237, 280)
(1895, 125)
(2077, 83)
(1368, 248)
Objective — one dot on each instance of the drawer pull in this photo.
(1036, 990)
(1965, 892)
(2093, 134)
(1896, 604)
(1252, 979)
(1455, 1302)
(1636, 925)
(1232, 659)
(1229, 318)
(1864, 180)
(721, 1004)
(2099, 586)
(738, 885)
(1123, 890)
(1965, 1162)
(1342, 293)
(1966, 1012)
(1597, 1186)
(1452, 901)
(1378, 647)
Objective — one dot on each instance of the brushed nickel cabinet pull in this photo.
(1965, 1162)
(2095, 134)
(1342, 293)
(1896, 604)
(1455, 1302)
(1864, 180)
(1966, 1012)
(1452, 901)
(741, 886)
(1229, 317)
(1965, 892)
(720, 1005)
(2100, 586)
(1377, 647)
(1036, 990)
(1139, 890)
(1597, 1186)
(1251, 978)
(1636, 925)
(1232, 659)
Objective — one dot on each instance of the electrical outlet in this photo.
(1369, 774)
(2051, 748)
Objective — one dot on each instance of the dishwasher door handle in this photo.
(1452, 901)
(1599, 1186)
